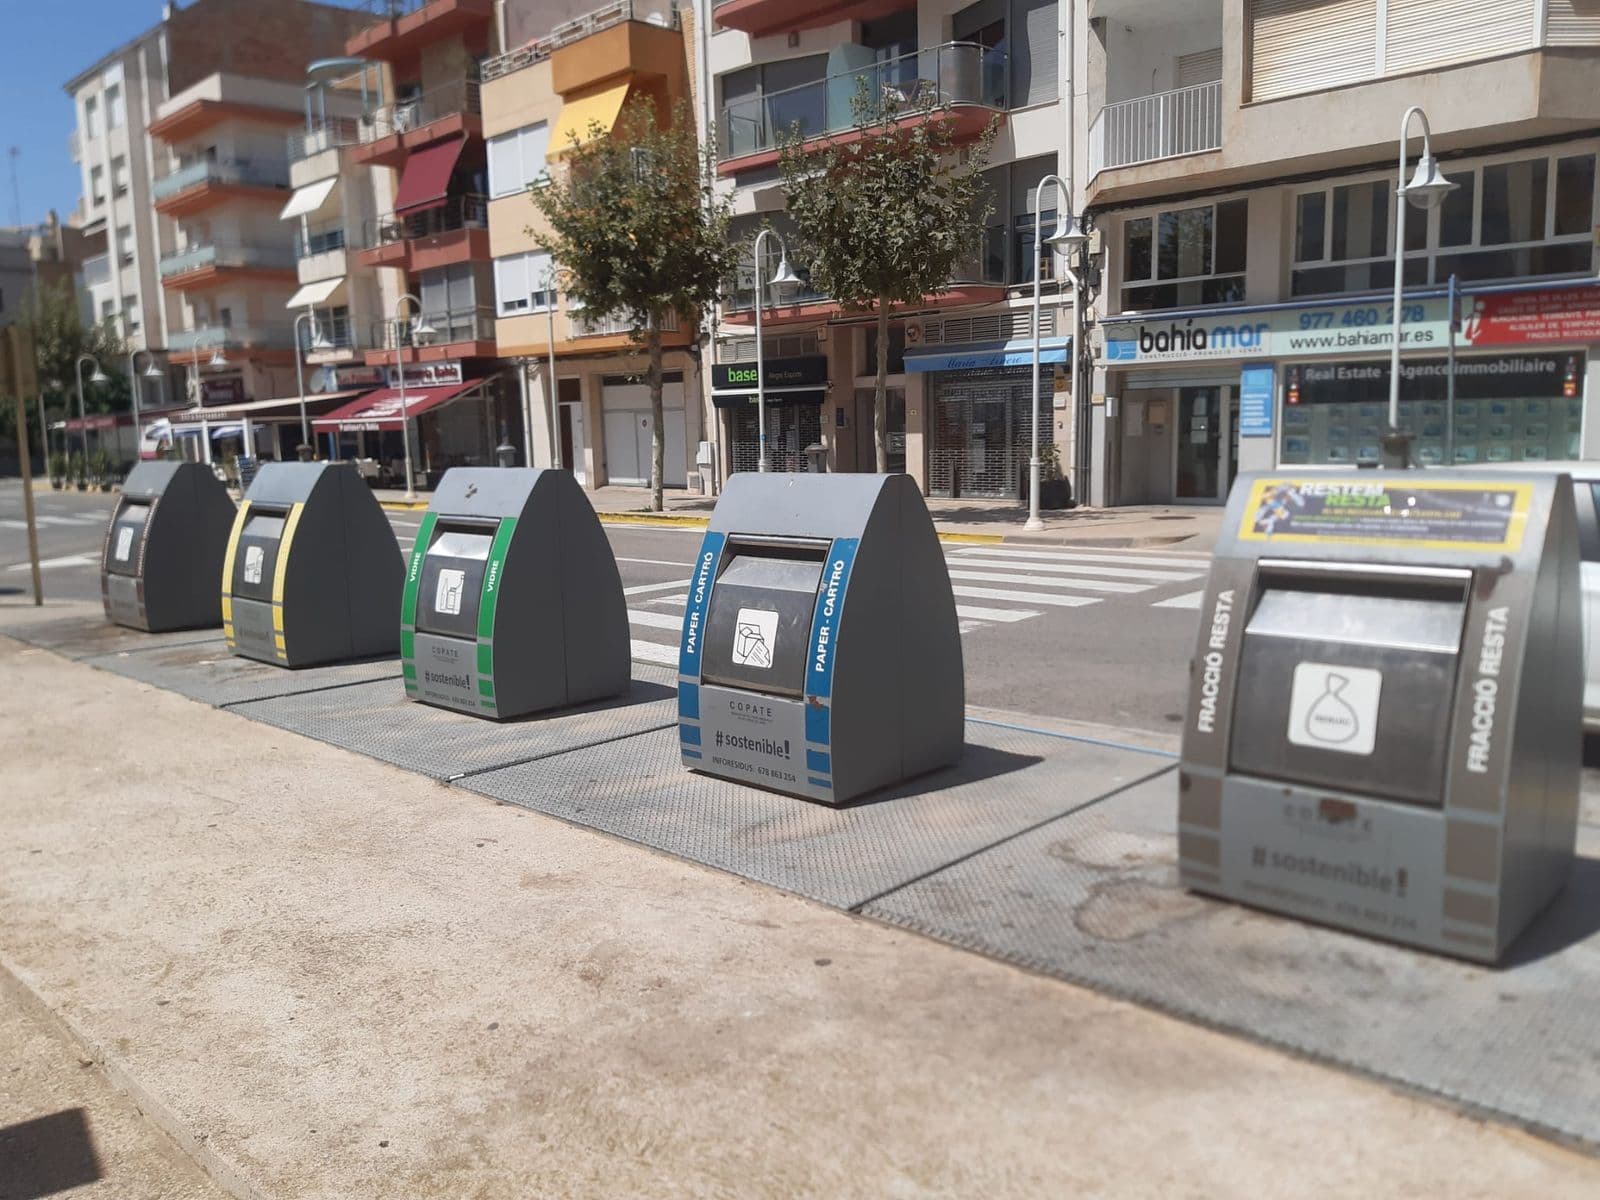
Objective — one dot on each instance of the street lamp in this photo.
(419, 328)
(151, 371)
(1065, 235)
(784, 280)
(1427, 190)
(99, 376)
(318, 343)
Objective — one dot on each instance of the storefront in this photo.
(980, 414)
(629, 430)
(795, 389)
(1190, 399)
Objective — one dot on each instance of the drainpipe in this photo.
(501, 25)
(708, 137)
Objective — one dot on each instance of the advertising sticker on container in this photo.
(1435, 515)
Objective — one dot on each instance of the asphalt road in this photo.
(1093, 635)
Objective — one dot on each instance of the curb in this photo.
(403, 505)
(660, 520)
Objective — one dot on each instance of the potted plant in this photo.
(75, 470)
(1054, 490)
(57, 466)
(100, 469)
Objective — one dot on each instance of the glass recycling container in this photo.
(164, 547)
(821, 654)
(1384, 729)
(313, 570)
(513, 603)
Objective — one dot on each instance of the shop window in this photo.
(1185, 257)
(1527, 217)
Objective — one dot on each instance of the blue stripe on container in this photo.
(689, 701)
(819, 761)
(689, 735)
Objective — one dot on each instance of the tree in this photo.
(51, 314)
(640, 233)
(886, 219)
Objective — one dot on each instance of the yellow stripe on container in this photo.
(239, 519)
(281, 571)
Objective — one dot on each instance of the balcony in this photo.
(389, 133)
(578, 326)
(455, 232)
(201, 184)
(457, 333)
(338, 336)
(761, 17)
(208, 266)
(402, 27)
(970, 78)
(1152, 128)
(323, 135)
(195, 345)
(96, 270)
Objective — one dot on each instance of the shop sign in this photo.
(805, 371)
(1013, 354)
(341, 379)
(421, 375)
(1532, 318)
(1257, 399)
(222, 391)
(812, 396)
(1325, 329)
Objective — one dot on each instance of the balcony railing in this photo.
(226, 255)
(337, 333)
(455, 325)
(652, 12)
(231, 337)
(458, 212)
(458, 96)
(97, 270)
(579, 326)
(323, 135)
(206, 171)
(955, 73)
(390, 9)
(323, 238)
(1151, 128)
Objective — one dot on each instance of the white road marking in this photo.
(1026, 597)
(1187, 600)
(640, 589)
(979, 615)
(654, 652)
(14, 524)
(1084, 556)
(70, 560)
(653, 620)
(405, 524)
(656, 562)
(1054, 568)
(669, 601)
(43, 519)
(1083, 585)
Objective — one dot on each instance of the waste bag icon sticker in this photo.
(755, 638)
(1335, 707)
(447, 596)
(254, 556)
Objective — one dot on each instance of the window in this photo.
(119, 175)
(1524, 217)
(91, 117)
(125, 244)
(130, 314)
(225, 317)
(108, 309)
(114, 109)
(517, 159)
(762, 101)
(521, 283)
(1185, 256)
(1007, 246)
(97, 185)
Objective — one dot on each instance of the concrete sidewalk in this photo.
(328, 978)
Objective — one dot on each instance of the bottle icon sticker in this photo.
(447, 594)
(1335, 707)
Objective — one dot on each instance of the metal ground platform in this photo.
(83, 632)
(376, 719)
(208, 672)
(1093, 898)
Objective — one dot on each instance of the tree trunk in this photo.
(658, 442)
(880, 399)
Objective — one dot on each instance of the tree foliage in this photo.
(888, 218)
(639, 232)
(60, 335)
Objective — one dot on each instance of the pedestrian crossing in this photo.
(76, 521)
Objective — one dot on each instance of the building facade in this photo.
(1241, 183)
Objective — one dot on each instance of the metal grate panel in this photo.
(982, 430)
(1007, 781)
(1093, 898)
(207, 672)
(790, 429)
(86, 635)
(377, 720)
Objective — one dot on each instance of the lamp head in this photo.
(319, 340)
(421, 329)
(1067, 234)
(784, 281)
(151, 371)
(217, 360)
(99, 376)
(1428, 187)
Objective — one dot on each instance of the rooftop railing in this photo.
(652, 12)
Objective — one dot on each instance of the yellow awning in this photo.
(579, 115)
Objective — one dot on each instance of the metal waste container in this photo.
(821, 654)
(164, 547)
(513, 602)
(1385, 718)
(313, 571)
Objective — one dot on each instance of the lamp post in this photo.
(419, 328)
(318, 342)
(99, 376)
(784, 278)
(134, 387)
(555, 385)
(1427, 190)
(1065, 235)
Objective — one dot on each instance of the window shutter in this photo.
(535, 151)
(1033, 52)
(1306, 45)
(511, 284)
(1203, 66)
(1422, 34)
(1573, 23)
(505, 171)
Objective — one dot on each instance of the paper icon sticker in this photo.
(447, 595)
(1335, 708)
(755, 637)
(124, 543)
(254, 556)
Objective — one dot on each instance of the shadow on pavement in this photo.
(47, 1155)
(1573, 917)
(977, 763)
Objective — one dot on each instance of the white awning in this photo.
(308, 199)
(315, 293)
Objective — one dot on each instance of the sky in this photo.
(44, 43)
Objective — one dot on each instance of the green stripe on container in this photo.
(486, 658)
(489, 704)
(486, 687)
(408, 644)
(419, 551)
(409, 670)
(491, 578)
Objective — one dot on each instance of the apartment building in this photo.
(1240, 174)
(960, 391)
(537, 100)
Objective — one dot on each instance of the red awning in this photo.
(381, 409)
(426, 177)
